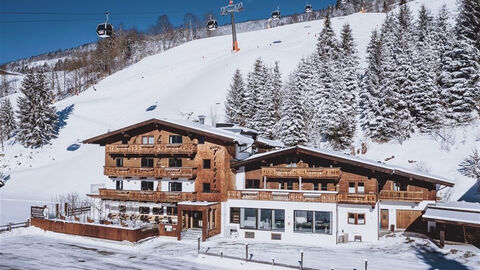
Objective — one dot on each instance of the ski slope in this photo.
(191, 78)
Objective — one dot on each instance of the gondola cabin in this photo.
(104, 30)
(308, 8)
(275, 15)
(212, 25)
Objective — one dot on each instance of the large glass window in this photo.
(303, 221)
(265, 219)
(279, 220)
(248, 218)
(175, 139)
(322, 222)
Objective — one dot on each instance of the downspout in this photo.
(336, 224)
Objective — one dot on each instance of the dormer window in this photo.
(147, 140)
(175, 139)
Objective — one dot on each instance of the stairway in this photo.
(191, 234)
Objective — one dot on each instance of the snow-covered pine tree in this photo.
(233, 102)
(265, 118)
(369, 97)
(459, 78)
(36, 115)
(426, 106)
(7, 119)
(256, 80)
(292, 128)
(405, 74)
(277, 91)
(468, 21)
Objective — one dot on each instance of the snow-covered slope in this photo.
(190, 78)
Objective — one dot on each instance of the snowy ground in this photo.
(32, 248)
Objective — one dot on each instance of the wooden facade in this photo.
(146, 196)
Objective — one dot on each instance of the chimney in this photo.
(201, 119)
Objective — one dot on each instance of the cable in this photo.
(78, 20)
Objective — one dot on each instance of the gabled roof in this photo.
(188, 126)
(352, 160)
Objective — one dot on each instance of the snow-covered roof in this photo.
(329, 154)
(272, 143)
(458, 212)
(236, 128)
(178, 124)
(196, 203)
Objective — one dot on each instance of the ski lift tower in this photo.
(232, 8)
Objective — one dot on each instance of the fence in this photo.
(10, 226)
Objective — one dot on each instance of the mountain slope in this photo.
(192, 77)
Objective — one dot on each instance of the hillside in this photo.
(193, 78)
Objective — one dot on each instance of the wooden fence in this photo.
(10, 226)
(95, 230)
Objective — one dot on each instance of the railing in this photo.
(357, 198)
(181, 172)
(147, 196)
(282, 195)
(401, 195)
(10, 226)
(162, 148)
(288, 172)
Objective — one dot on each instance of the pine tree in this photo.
(468, 22)
(292, 128)
(36, 116)
(256, 81)
(265, 118)
(7, 120)
(277, 91)
(460, 76)
(233, 102)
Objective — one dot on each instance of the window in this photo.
(315, 186)
(249, 234)
(175, 186)
(351, 187)
(119, 162)
(119, 185)
(303, 221)
(172, 210)
(324, 186)
(174, 162)
(290, 185)
(147, 140)
(144, 210)
(157, 210)
(361, 187)
(356, 218)
(322, 222)
(291, 161)
(175, 139)
(122, 208)
(279, 220)
(399, 186)
(206, 163)
(201, 140)
(206, 187)
(234, 215)
(252, 183)
(147, 185)
(276, 236)
(147, 162)
(265, 221)
(248, 218)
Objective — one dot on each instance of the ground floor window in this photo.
(144, 210)
(157, 210)
(259, 219)
(356, 218)
(312, 221)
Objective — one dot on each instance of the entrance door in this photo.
(384, 218)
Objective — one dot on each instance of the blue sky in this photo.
(21, 39)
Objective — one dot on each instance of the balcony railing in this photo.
(146, 196)
(180, 172)
(416, 196)
(288, 172)
(357, 198)
(282, 195)
(154, 149)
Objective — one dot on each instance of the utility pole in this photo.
(232, 8)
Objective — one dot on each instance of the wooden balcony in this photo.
(357, 198)
(305, 173)
(146, 196)
(414, 196)
(174, 173)
(282, 195)
(152, 149)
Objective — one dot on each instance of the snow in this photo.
(272, 143)
(32, 248)
(454, 211)
(192, 79)
(197, 203)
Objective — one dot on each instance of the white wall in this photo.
(240, 178)
(135, 184)
(392, 207)
(288, 235)
(368, 231)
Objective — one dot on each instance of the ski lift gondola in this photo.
(212, 24)
(105, 30)
(276, 14)
(308, 8)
